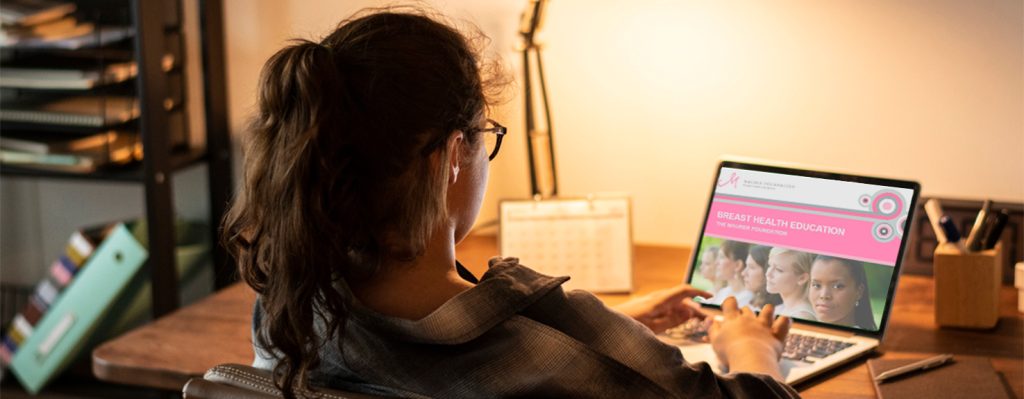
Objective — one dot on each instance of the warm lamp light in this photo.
(539, 144)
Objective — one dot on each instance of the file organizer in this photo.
(588, 239)
(62, 333)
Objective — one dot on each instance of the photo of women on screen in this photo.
(754, 277)
(840, 294)
(802, 285)
(789, 276)
(732, 255)
(707, 267)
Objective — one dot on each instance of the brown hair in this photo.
(344, 169)
(735, 250)
(760, 255)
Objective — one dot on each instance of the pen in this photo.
(934, 210)
(992, 234)
(952, 234)
(925, 364)
(974, 238)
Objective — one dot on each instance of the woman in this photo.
(839, 293)
(728, 264)
(754, 279)
(367, 163)
(707, 267)
(788, 275)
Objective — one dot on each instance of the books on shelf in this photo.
(78, 38)
(53, 162)
(66, 78)
(78, 111)
(54, 143)
(50, 24)
(54, 151)
(33, 12)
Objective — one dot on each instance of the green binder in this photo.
(73, 317)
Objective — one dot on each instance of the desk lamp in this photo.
(539, 144)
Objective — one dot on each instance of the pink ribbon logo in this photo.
(733, 179)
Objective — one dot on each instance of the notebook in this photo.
(825, 248)
(963, 377)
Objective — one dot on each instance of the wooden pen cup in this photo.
(967, 286)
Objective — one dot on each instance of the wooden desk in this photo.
(184, 344)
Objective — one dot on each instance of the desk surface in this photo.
(166, 353)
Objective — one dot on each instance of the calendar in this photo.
(588, 239)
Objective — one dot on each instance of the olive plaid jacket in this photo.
(517, 334)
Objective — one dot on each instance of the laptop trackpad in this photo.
(695, 352)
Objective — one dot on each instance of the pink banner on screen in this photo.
(820, 234)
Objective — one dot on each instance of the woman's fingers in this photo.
(716, 323)
(780, 328)
(694, 308)
(729, 308)
(767, 313)
(746, 311)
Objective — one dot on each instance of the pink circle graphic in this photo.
(865, 200)
(888, 204)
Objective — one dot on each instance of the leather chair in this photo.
(233, 381)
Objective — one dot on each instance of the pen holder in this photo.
(967, 287)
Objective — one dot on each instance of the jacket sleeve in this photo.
(699, 380)
(635, 346)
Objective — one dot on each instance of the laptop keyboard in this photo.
(809, 348)
(798, 347)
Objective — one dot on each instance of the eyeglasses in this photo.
(492, 142)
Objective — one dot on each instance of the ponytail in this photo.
(281, 197)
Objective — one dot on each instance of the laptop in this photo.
(825, 248)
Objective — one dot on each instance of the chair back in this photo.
(234, 381)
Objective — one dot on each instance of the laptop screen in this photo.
(824, 248)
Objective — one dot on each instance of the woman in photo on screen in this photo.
(839, 292)
(728, 264)
(789, 274)
(754, 279)
(365, 164)
(707, 267)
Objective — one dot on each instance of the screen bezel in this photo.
(786, 170)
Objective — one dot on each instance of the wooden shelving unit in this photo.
(157, 46)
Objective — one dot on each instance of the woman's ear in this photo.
(804, 278)
(454, 155)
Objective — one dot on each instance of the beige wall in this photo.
(647, 95)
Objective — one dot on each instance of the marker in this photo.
(974, 238)
(948, 227)
(993, 233)
(934, 210)
(925, 364)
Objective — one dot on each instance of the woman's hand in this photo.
(664, 309)
(745, 342)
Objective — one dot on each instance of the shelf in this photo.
(128, 173)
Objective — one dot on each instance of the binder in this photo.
(62, 333)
